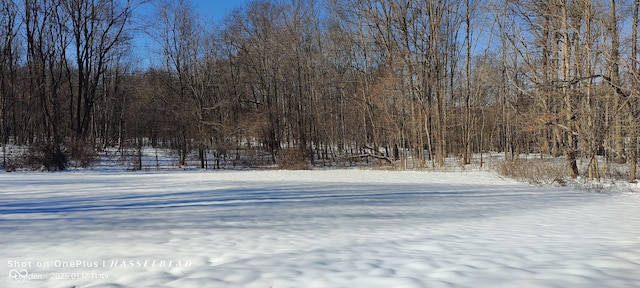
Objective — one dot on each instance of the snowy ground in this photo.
(336, 228)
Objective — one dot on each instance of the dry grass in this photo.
(535, 171)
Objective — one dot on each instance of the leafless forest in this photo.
(298, 83)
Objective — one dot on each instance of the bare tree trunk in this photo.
(592, 138)
(570, 149)
(614, 75)
(467, 105)
(634, 114)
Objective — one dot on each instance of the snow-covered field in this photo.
(334, 228)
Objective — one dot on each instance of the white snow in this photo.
(334, 228)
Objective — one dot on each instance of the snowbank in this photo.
(335, 228)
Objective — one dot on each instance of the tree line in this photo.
(299, 82)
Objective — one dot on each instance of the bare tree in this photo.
(9, 26)
(97, 28)
(47, 42)
(178, 34)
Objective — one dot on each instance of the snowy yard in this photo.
(335, 228)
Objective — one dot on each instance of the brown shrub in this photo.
(293, 159)
(82, 153)
(51, 157)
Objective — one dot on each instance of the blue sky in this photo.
(210, 11)
(216, 9)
